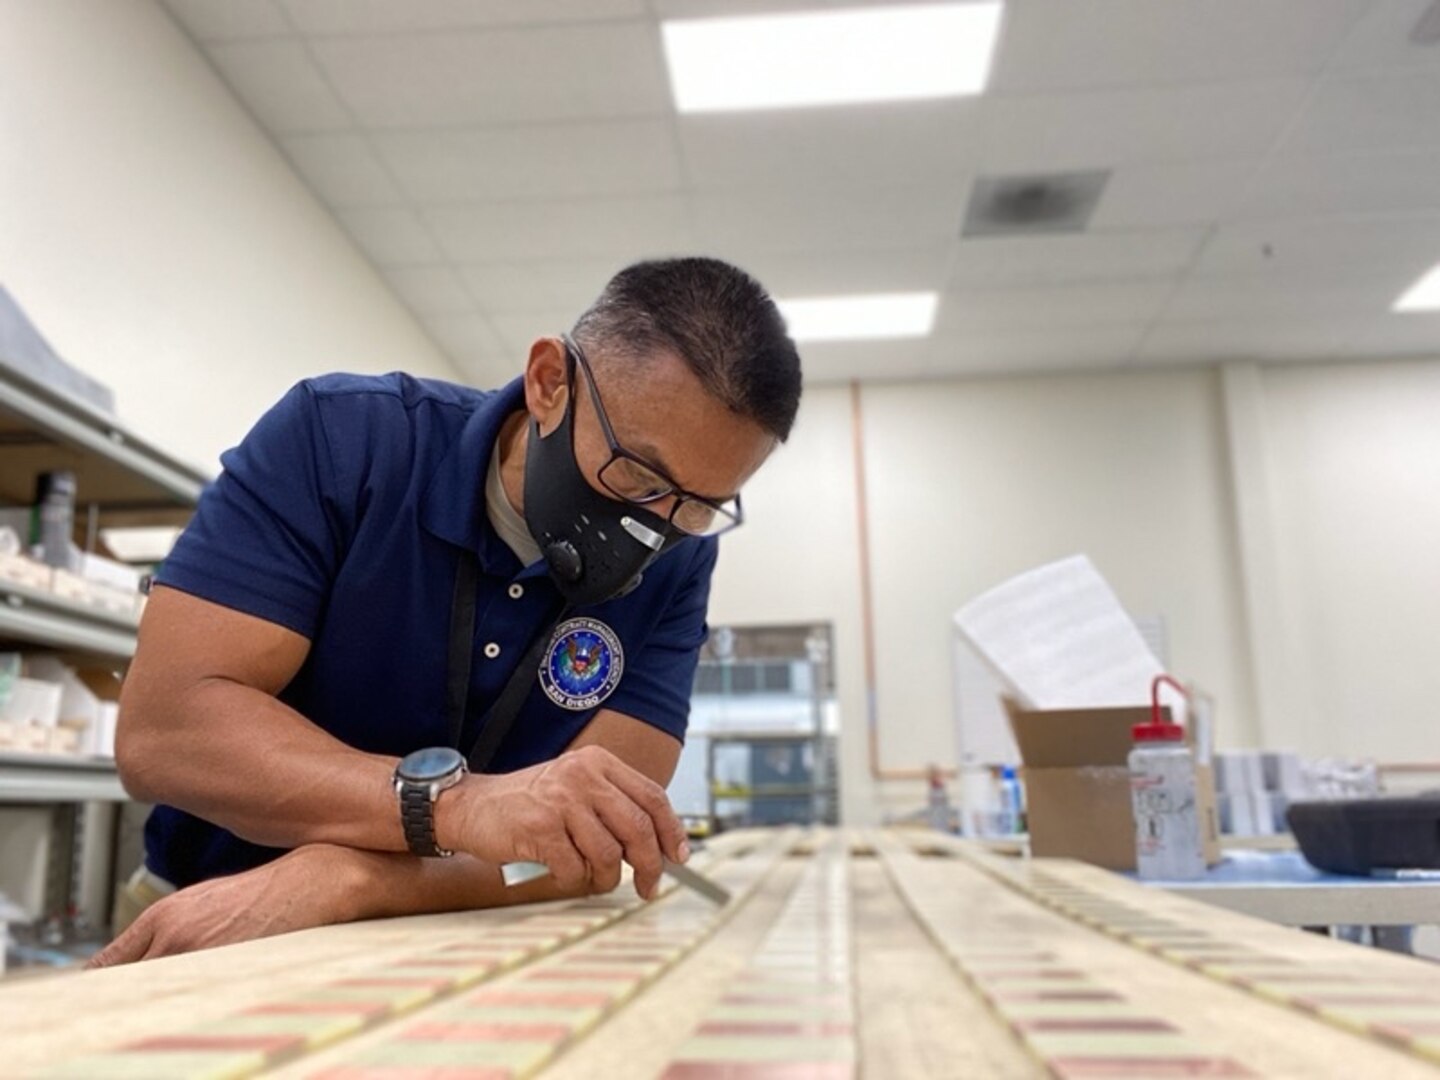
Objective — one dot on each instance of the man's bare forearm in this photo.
(240, 758)
(393, 885)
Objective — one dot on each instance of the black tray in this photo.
(1361, 836)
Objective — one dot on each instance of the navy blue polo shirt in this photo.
(342, 516)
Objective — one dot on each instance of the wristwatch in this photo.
(419, 779)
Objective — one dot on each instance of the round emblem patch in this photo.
(583, 665)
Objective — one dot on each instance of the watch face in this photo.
(434, 763)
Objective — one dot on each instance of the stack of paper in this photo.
(1058, 638)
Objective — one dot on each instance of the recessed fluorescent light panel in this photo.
(1424, 295)
(846, 57)
(860, 318)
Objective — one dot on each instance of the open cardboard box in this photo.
(1077, 784)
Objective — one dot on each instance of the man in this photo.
(391, 568)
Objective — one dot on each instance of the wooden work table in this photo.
(842, 953)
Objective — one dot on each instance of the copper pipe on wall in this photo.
(867, 604)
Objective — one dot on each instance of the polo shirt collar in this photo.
(453, 507)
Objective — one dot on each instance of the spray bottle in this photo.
(1168, 843)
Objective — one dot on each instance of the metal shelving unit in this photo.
(121, 480)
(58, 778)
(34, 615)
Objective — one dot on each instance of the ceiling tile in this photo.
(225, 20)
(1115, 128)
(537, 162)
(971, 354)
(1298, 297)
(278, 83)
(1317, 248)
(519, 329)
(711, 9)
(1054, 260)
(1045, 308)
(431, 290)
(1213, 342)
(1035, 350)
(470, 338)
(780, 220)
(1189, 193)
(545, 285)
(1335, 184)
(546, 230)
(1381, 38)
(841, 273)
(342, 169)
(390, 235)
(1397, 335)
(828, 148)
(487, 372)
(841, 361)
(1371, 111)
(572, 285)
(603, 70)
(1053, 44)
(1294, 339)
(323, 17)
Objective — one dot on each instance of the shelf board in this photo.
(49, 778)
(96, 434)
(35, 615)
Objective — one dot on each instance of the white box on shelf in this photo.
(63, 739)
(79, 710)
(109, 598)
(23, 570)
(32, 701)
(103, 744)
(108, 572)
(72, 587)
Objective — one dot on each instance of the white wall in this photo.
(973, 482)
(1356, 512)
(797, 560)
(159, 240)
(1303, 533)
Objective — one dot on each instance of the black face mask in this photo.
(595, 547)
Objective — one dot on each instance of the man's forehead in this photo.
(662, 412)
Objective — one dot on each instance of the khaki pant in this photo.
(137, 894)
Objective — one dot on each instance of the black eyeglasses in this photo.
(632, 479)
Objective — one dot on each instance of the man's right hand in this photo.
(580, 814)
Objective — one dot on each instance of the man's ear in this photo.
(547, 389)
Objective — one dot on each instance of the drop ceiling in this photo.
(1274, 174)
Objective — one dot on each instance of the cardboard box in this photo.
(1077, 784)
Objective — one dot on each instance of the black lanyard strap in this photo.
(501, 715)
(462, 641)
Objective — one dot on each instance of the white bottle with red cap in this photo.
(1162, 791)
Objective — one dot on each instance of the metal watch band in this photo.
(417, 817)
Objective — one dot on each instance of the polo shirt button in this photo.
(517, 591)
(492, 651)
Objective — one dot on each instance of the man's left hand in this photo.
(310, 886)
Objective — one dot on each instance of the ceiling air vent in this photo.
(1026, 205)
